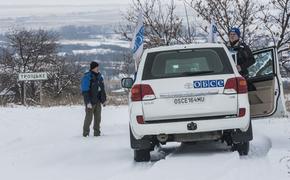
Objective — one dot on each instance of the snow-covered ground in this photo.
(46, 144)
(93, 51)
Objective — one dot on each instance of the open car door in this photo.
(265, 85)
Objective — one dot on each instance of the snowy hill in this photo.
(55, 16)
(46, 144)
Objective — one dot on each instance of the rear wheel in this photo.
(242, 148)
(142, 155)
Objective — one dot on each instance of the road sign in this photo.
(32, 76)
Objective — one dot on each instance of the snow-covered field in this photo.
(46, 144)
(55, 16)
(114, 40)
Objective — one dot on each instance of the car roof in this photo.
(185, 46)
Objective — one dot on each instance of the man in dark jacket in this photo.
(93, 90)
(245, 57)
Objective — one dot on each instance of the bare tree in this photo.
(64, 78)
(228, 14)
(162, 25)
(31, 51)
(36, 51)
(276, 20)
(127, 65)
(7, 75)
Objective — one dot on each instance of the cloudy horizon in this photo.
(63, 2)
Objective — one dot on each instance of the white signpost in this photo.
(38, 76)
(32, 76)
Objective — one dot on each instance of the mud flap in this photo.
(241, 137)
(139, 144)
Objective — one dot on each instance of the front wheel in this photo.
(142, 155)
(243, 148)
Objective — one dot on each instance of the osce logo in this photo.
(208, 83)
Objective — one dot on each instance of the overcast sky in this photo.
(62, 2)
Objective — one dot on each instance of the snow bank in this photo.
(46, 143)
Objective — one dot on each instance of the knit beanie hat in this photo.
(236, 30)
(93, 65)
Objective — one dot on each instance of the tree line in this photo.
(260, 22)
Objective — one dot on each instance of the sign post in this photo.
(32, 76)
(38, 76)
(24, 94)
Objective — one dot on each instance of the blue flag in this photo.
(212, 37)
(138, 40)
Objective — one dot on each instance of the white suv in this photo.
(194, 92)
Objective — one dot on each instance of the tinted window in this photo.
(180, 63)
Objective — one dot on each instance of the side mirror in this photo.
(127, 82)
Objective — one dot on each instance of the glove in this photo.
(89, 106)
(104, 104)
(239, 68)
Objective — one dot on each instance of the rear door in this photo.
(188, 84)
(265, 86)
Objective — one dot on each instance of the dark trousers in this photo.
(96, 112)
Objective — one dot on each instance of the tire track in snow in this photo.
(185, 161)
(286, 159)
(197, 159)
(194, 160)
(286, 162)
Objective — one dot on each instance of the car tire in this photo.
(242, 148)
(142, 155)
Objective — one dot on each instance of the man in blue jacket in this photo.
(93, 90)
(245, 57)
